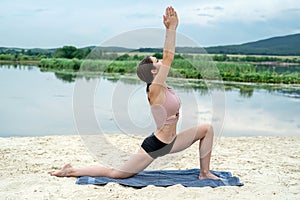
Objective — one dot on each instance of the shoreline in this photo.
(268, 166)
(236, 73)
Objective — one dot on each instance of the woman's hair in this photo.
(144, 70)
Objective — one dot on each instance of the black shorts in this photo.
(156, 148)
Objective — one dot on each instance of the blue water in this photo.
(35, 103)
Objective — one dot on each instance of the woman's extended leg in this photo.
(134, 165)
(204, 133)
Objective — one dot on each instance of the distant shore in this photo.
(268, 166)
(220, 67)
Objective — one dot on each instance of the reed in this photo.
(184, 68)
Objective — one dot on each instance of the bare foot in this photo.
(209, 176)
(64, 172)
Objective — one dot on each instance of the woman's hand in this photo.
(170, 18)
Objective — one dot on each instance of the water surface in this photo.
(35, 103)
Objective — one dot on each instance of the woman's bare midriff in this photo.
(167, 133)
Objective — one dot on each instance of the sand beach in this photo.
(268, 167)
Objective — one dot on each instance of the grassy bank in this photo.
(241, 68)
(184, 68)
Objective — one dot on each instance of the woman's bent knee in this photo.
(206, 128)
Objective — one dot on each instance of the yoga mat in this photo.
(164, 178)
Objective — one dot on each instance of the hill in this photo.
(283, 45)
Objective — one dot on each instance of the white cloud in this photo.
(247, 11)
(53, 23)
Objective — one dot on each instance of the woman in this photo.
(165, 110)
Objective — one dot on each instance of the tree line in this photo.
(71, 52)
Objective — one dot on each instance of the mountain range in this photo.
(282, 45)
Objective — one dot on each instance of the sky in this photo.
(56, 23)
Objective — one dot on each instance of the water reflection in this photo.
(65, 77)
(25, 67)
(246, 90)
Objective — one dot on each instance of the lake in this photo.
(37, 103)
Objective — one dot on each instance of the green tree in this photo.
(29, 52)
(123, 57)
(65, 52)
(158, 55)
(79, 53)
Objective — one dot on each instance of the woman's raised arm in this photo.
(170, 20)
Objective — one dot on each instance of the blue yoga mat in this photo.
(164, 178)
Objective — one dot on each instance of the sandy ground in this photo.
(268, 166)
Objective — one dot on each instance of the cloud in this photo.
(246, 11)
(79, 23)
(40, 10)
(218, 8)
(205, 15)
